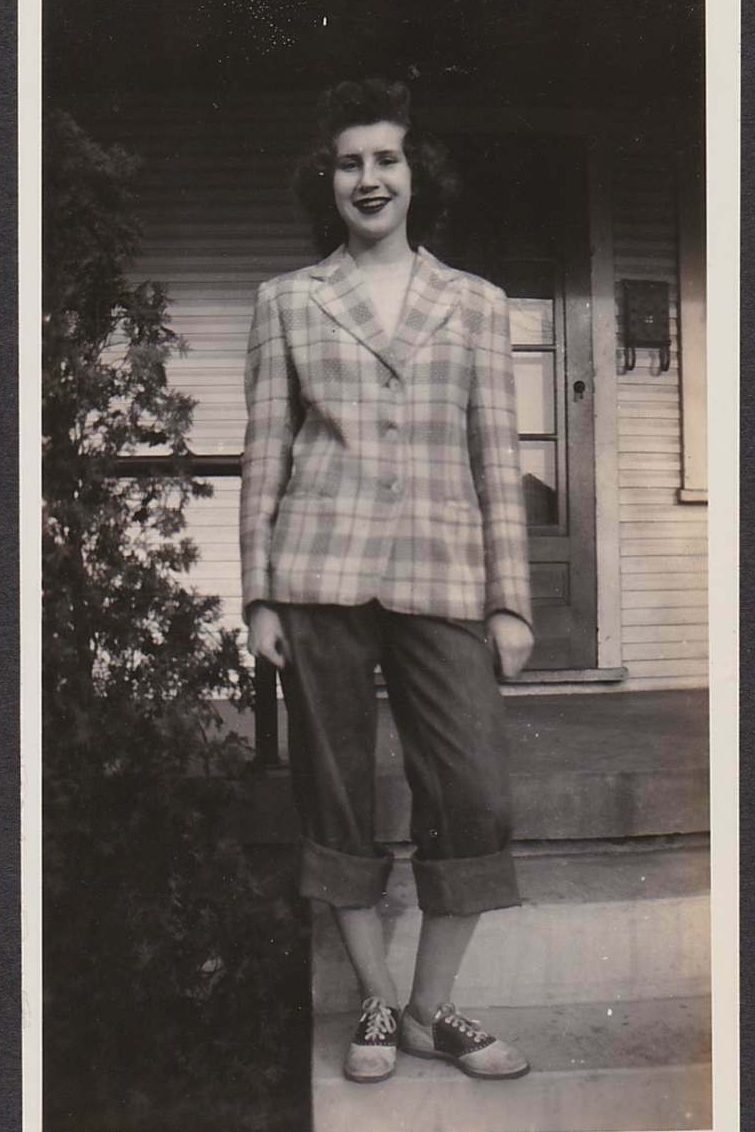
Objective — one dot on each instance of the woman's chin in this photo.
(373, 232)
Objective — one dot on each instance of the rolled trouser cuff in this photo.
(342, 879)
(464, 886)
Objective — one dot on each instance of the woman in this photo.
(382, 521)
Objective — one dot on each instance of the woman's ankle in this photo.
(379, 985)
(421, 1012)
(390, 998)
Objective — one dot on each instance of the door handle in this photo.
(579, 388)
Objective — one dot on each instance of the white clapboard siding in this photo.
(651, 494)
(649, 478)
(640, 583)
(676, 615)
(650, 530)
(639, 461)
(218, 218)
(663, 599)
(666, 564)
(651, 441)
(636, 634)
(650, 514)
(667, 650)
(635, 415)
(663, 543)
(633, 424)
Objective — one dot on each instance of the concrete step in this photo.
(603, 766)
(620, 924)
(613, 765)
(600, 1067)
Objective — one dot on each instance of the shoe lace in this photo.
(378, 1018)
(470, 1027)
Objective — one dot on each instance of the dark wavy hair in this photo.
(434, 184)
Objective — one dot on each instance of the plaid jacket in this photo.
(376, 468)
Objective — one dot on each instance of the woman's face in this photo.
(372, 181)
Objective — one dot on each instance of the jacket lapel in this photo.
(430, 300)
(340, 292)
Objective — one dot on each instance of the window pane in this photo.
(539, 481)
(213, 524)
(531, 321)
(528, 279)
(535, 401)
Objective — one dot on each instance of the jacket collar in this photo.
(341, 293)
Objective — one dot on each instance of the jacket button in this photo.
(393, 384)
(390, 429)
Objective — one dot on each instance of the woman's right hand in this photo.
(266, 637)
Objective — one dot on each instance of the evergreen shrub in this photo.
(171, 954)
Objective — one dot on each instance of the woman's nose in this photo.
(368, 178)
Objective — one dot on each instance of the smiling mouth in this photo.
(371, 205)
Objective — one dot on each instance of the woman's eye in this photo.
(347, 166)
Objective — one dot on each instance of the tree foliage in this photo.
(159, 936)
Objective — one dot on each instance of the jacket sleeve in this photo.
(270, 387)
(494, 455)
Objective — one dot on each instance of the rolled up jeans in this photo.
(450, 718)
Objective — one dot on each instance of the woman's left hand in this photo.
(512, 640)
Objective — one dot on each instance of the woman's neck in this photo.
(384, 255)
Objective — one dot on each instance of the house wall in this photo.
(218, 221)
(662, 541)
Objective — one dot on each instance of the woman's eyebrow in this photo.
(377, 153)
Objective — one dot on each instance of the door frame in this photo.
(479, 115)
